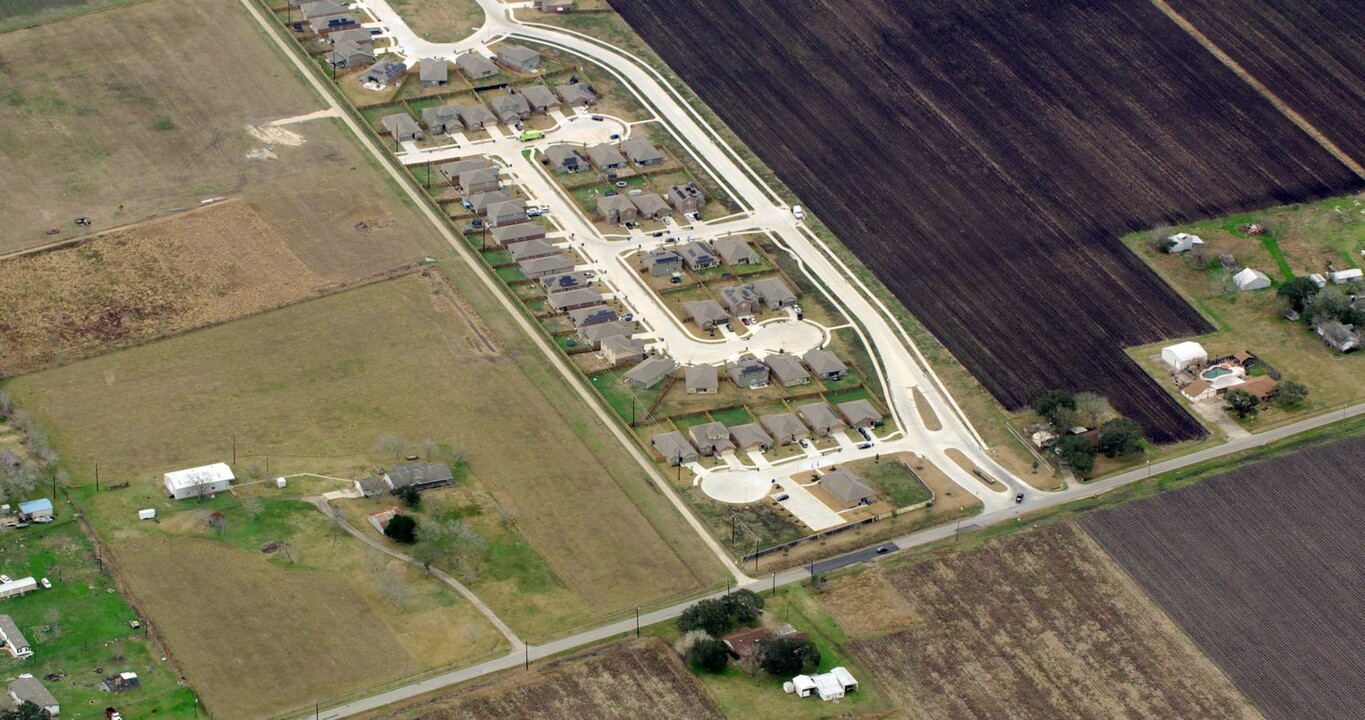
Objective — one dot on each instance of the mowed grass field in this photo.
(313, 388)
(440, 20)
(1262, 566)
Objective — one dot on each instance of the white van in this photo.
(798, 213)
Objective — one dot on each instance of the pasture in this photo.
(1038, 625)
(1011, 179)
(20, 14)
(1262, 567)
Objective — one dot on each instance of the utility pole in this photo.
(97, 477)
(637, 621)
(527, 649)
(234, 449)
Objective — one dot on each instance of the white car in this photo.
(798, 213)
(4, 579)
(47, 584)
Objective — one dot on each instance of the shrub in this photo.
(402, 528)
(1298, 291)
(1291, 394)
(709, 654)
(409, 495)
(1056, 406)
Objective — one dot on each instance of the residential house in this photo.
(860, 414)
(320, 9)
(472, 182)
(26, 688)
(785, 428)
(598, 315)
(748, 373)
(641, 152)
(574, 299)
(775, 293)
(565, 157)
(372, 486)
(686, 198)
(825, 364)
(564, 282)
(540, 99)
(480, 202)
(750, 436)
(1249, 279)
(698, 256)
(615, 209)
(576, 95)
(674, 448)
(649, 373)
(511, 109)
(552, 6)
(519, 58)
(706, 313)
(847, 488)
(507, 212)
(402, 127)
(475, 66)
(383, 72)
(348, 53)
(1262, 386)
(702, 380)
(433, 72)
(821, 418)
(661, 262)
(13, 640)
(1200, 389)
(198, 482)
(531, 250)
(740, 300)
(711, 438)
(442, 119)
(360, 36)
(325, 26)
(620, 350)
(651, 206)
(1182, 242)
(593, 335)
(746, 642)
(422, 476)
(540, 267)
(508, 235)
(1350, 276)
(787, 369)
(475, 117)
(735, 252)
(606, 157)
(1338, 336)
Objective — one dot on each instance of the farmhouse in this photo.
(471, 182)
(686, 198)
(433, 72)
(706, 313)
(748, 373)
(593, 335)
(598, 315)
(775, 293)
(711, 438)
(697, 255)
(511, 109)
(847, 488)
(475, 66)
(750, 436)
(1182, 355)
(540, 99)
(605, 157)
(531, 250)
(702, 380)
(745, 642)
(564, 282)
(17, 587)
(198, 482)
(519, 58)
(508, 235)
(740, 300)
(442, 119)
(615, 209)
(787, 369)
(641, 152)
(825, 364)
(540, 267)
(39, 510)
(785, 428)
(372, 486)
(735, 252)
(1182, 242)
(479, 202)
(859, 413)
(821, 418)
(620, 349)
(507, 212)
(402, 127)
(422, 476)
(574, 299)
(565, 157)
(347, 53)
(26, 688)
(651, 206)
(1249, 279)
(13, 640)
(381, 73)
(475, 117)
(674, 448)
(649, 373)
(576, 95)
(661, 262)
(1338, 336)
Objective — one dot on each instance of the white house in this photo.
(17, 587)
(1183, 242)
(1347, 277)
(1249, 279)
(196, 482)
(1183, 355)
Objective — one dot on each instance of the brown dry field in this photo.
(440, 20)
(625, 681)
(1039, 625)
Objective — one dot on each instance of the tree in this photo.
(253, 507)
(710, 615)
(1242, 403)
(429, 448)
(1328, 304)
(1052, 403)
(789, 655)
(1076, 453)
(1291, 394)
(402, 528)
(409, 495)
(709, 654)
(744, 606)
(1120, 436)
(26, 711)
(1092, 410)
(392, 444)
(1298, 291)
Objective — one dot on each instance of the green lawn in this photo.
(896, 482)
(733, 417)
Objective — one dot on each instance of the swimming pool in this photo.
(1216, 372)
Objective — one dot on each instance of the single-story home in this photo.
(1339, 336)
(785, 428)
(1182, 242)
(651, 206)
(325, 26)
(821, 418)
(422, 476)
(674, 448)
(1249, 279)
(320, 8)
(13, 640)
(698, 256)
(39, 510)
(372, 486)
(1182, 355)
(531, 250)
(348, 53)
(661, 262)
(745, 642)
(740, 300)
(383, 72)
(442, 119)
(1200, 389)
(711, 438)
(475, 66)
(576, 95)
(620, 350)
(686, 198)
(198, 482)
(402, 127)
(593, 335)
(511, 109)
(564, 282)
(508, 235)
(706, 313)
(735, 251)
(519, 58)
(479, 202)
(1349, 276)
(1262, 386)
(606, 157)
(825, 364)
(471, 182)
(433, 72)
(788, 370)
(540, 99)
(475, 117)
(453, 170)
(540, 267)
(615, 209)
(702, 380)
(847, 488)
(649, 373)
(596, 315)
(26, 688)
(641, 152)
(507, 212)
(859, 413)
(748, 373)
(565, 157)
(775, 293)
(574, 299)
(750, 436)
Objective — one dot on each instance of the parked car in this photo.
(476, 223)
(614, 136)
(532, 212)
(112, 714)
(598, 118)
(867, 434)
(628, 317)
(1018, 498)
(47, 584)
(798, 213)
(804, 443)
(783, 496)
(668, 220)
(5, 579)
(864, 446)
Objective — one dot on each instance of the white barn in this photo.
(1183, 355)
(1249, 279)
(194, 482)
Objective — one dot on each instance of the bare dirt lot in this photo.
(1040, 625)
(1262, 566)
(999, 150)
(623, 681)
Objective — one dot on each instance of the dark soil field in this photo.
(983, 159)
(1311, 54)
(1264, 567)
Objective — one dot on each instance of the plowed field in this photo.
(982, 158)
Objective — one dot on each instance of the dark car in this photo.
(782, 497)
(1019, 498)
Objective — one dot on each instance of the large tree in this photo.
(1297, 291)
(1242, 403)
(402, 528)
(1291, 394)
(710, 615)
(789, 655)
(1120, 436)
(709, 654)
(1056, 406)
(1077, 453)
(26, 711)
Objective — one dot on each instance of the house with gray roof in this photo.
(788, 370)
(740, 300)
(540, 267)
(472, 182)
(531, 250)
(574, 299)
(540, 99)
(702, 380)
(511, 109)
(775, 293)
(686, 198)
(785, 428)
(564, 282)
(348, 53)
(442, 119)
(593, 335)
(847, 488)
(372, 486)
(452, 171)
(711, 438)
(27, 688)
(596, 315)
(479, 202)
(615, 209)
(321, 8)
(860, 414)
(748, 373)
(576, 95)
(750, 436)
(402, 127)
(641, 152)
(622, 350)
(475, 117)
(433, 72)
(651, 206)
(697, 255)
(674, 448)
(422, 476)
(519, 58)
(13, 640)
(821, 418)
(475, 66)
(825, 364)
(507, 212)
(735, 251)
(606, 157)
(565, 157)
(706, 313)
(325, 26)
(661, 262)
(383, 72)
(360, 36)
(509, 235)
(649, 373)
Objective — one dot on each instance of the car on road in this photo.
(658, 234)
(598, 118)
(804, 443)
(798, 212)
(864, 446)
(783, 496)
(628, 317)
(883, 549)
(1018, 498)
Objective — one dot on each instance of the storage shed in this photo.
(1183, 355)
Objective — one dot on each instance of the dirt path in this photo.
(1264, 91)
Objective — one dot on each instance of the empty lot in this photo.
(983, 158)
(1262, 566)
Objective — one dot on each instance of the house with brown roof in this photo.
(620, 350)
(821, 418)
(750, 436)
(540, 99)
(593, 335)
(511, 109)
(740, 300)
(735, 251)
(615, 209)
(706, 313)
(451, 171)
(507, 212)
(565, 157)
(697, 255)
(433, 72)
(519, 58)
(475, 117)
(825, 364)
(847, 488)
(480, 202)
(475, 66)
(471, 182)
(785, 428)
(775, 293)
(649, 373)
(540, 267)
(641, 152)
(788, 370)
(711, 438)
(606, 157)
(402, 127)
(508, 235)
(859, 414)
(531, 250)
(576, 95)
(574, 299)
(674, 448)
(702, 380)
(442, 119)
(686, 198)
(651, 206)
